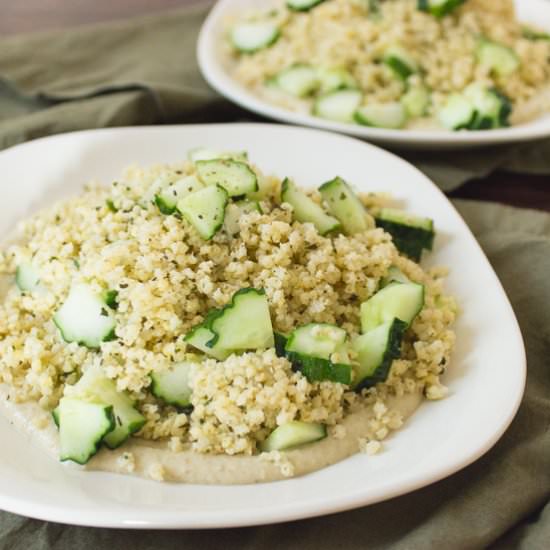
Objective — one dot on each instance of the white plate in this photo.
(216, 68)
(486, 381)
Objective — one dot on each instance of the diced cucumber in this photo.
(376, 351)
(172, 386)
(299, 80)
(168, 198)
(249, 37)
(497, 57)
(382, 115)
(82, 427)
(458, 113)
(316, 340)
(345, 205)
(319, 370)
(84, 317)
(411, 234)
(234, 176)
(492, 108)
(205, 210)
(199, 336)
(334, 79)
(202, 153)
(293, 434)
(310, 347)
(395, 275)
(302, 5)
(27, 277)
(439, 8)
(306, 210)
(402, 301)
(234, 212)
(407, 219)
(416, 101)
(243, 324)
(95, 386)
(280, 343)
(339, 106)
(400, 61)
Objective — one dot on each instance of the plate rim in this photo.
(295, 511)
(213, 72)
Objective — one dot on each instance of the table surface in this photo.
(33, 15)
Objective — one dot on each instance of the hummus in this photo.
(155, 459)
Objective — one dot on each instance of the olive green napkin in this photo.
(144, 71)
(499, 500)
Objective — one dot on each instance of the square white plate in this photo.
(217, 69)
(486, 379)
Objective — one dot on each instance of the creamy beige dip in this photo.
(157, 461)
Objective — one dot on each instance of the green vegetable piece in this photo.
(82, 427)
(376, 350)
(293, 434)
(305, 210)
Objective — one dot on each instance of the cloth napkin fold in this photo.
(502, 500)
(144, 71)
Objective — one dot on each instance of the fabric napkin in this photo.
(144, 72)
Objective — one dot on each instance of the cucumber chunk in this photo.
(319, 370)
(205, 210)
(280, 343)
(439, 8)
(382, 115)
(85, 318)
(302, 5)
(249, 37)
(376, 351)
(457, 113)
(292, 434)
(82, 427)
(400, 61)
(339, 106)
(411, 234)
(345, 205)
(310, 347)
(234, 176)
(492, 108)
(243, 324)
(316, 339)
(199, 336)
(402, 301)
(416, 101)
(168, 198)
(27, 277)
(306, 210)
(299, 80)
(235, 211)
(97, 387)
(499, 58)
(172, 386)
(331, 80)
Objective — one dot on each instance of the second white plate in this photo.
(486, 379)
(216, 68)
